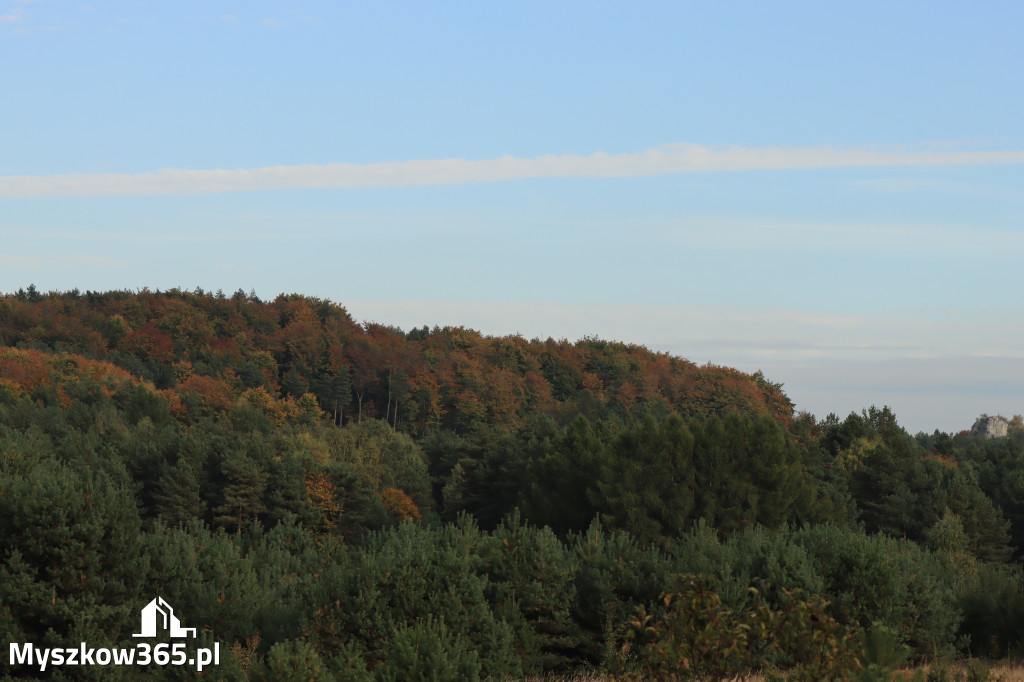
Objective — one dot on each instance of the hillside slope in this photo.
(207, 349)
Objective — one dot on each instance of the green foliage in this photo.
(362, 510)
(903, 490)
(992, 600)
(427, 652)
(696, 637)
(71, 543)
(977, 671)
(732, 473)
(873, 579)
(164, 444)
(488, 474)
(777, 557)
(382, 458)
(401, 576)
(882, 651)
(296, 661)
(178, 495)
(615, 575)
(532, 586)
(938, 671)
(242, 503)
(562, 482)
(748, 472)
(647, 485)
(235, 587)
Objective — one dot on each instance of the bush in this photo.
(875, 579)
(698, 636)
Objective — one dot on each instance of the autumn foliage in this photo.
(209, 349)
(323, 495)
(399, 505)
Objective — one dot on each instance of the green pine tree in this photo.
(243, 494)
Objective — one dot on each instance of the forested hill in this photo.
(332, 500)
(204, 350)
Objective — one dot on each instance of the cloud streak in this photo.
(26, 262)
(15, 16)
(663, 160)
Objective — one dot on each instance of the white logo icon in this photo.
(160, 610)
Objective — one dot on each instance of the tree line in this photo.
(320, 539)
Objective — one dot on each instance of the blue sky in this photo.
(834, 195)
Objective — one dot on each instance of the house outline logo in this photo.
(159, 611)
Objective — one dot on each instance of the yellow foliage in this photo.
(323, 494)
(307, 406)
(281, 411)
(852, 458)
(305, 444)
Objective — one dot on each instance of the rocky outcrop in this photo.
(990, 427)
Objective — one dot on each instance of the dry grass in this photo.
(1001, 671)
(1008, 672)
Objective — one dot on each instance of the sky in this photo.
(832, 193)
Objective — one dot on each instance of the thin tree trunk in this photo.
(387, 412)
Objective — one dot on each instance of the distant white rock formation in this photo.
(990, 427)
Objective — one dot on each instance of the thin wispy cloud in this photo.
(234, 267)
(19, 261)
(663, 160)
(771, 236)
(936, 186)
(89, 259)
(15, 16)
(27, 262)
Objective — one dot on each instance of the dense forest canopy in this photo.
(209, 347)
(343, 501)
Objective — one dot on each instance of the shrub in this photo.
(698, 636)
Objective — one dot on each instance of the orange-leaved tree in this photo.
(399, 505)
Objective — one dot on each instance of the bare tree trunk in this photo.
(387, 412)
